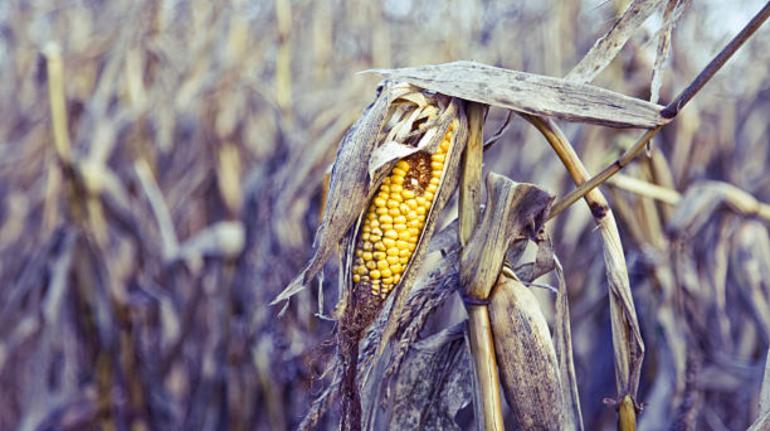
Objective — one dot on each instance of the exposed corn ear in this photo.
(396, 217)
(413, 173)
(526, 356)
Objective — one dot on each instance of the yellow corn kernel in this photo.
(398, 172)
(395, 219)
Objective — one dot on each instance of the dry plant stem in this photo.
(58, 107)
(627, 341)
(669, 112)
(586, 187)
(283, 95)
(739, 200)
(482, 344)
(713, 67)
(647, 189)
(514, 212)
(470, 183)
(485, 367)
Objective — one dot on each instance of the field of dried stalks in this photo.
(162, 176)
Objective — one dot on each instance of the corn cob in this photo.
(395, 219)
(529, 368)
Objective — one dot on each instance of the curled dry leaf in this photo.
(525, 356)
(531, 94)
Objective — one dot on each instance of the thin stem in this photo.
(487, 376)
(646, 189)
(669, 111)
(487, 384)
(713, 67)
(57, 104)
(585, 188)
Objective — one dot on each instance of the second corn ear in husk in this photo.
(526, 357)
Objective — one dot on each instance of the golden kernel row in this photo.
(395, 219)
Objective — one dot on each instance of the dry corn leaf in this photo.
(608, 46)
(627, 342)
(348, 189)
(531, 94)
(562, 340)
(433, 384)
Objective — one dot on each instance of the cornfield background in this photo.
(134, 279)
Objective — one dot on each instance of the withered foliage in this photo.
(166, 175)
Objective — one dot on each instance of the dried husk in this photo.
(525, 356)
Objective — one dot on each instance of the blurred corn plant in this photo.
(164, 165)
